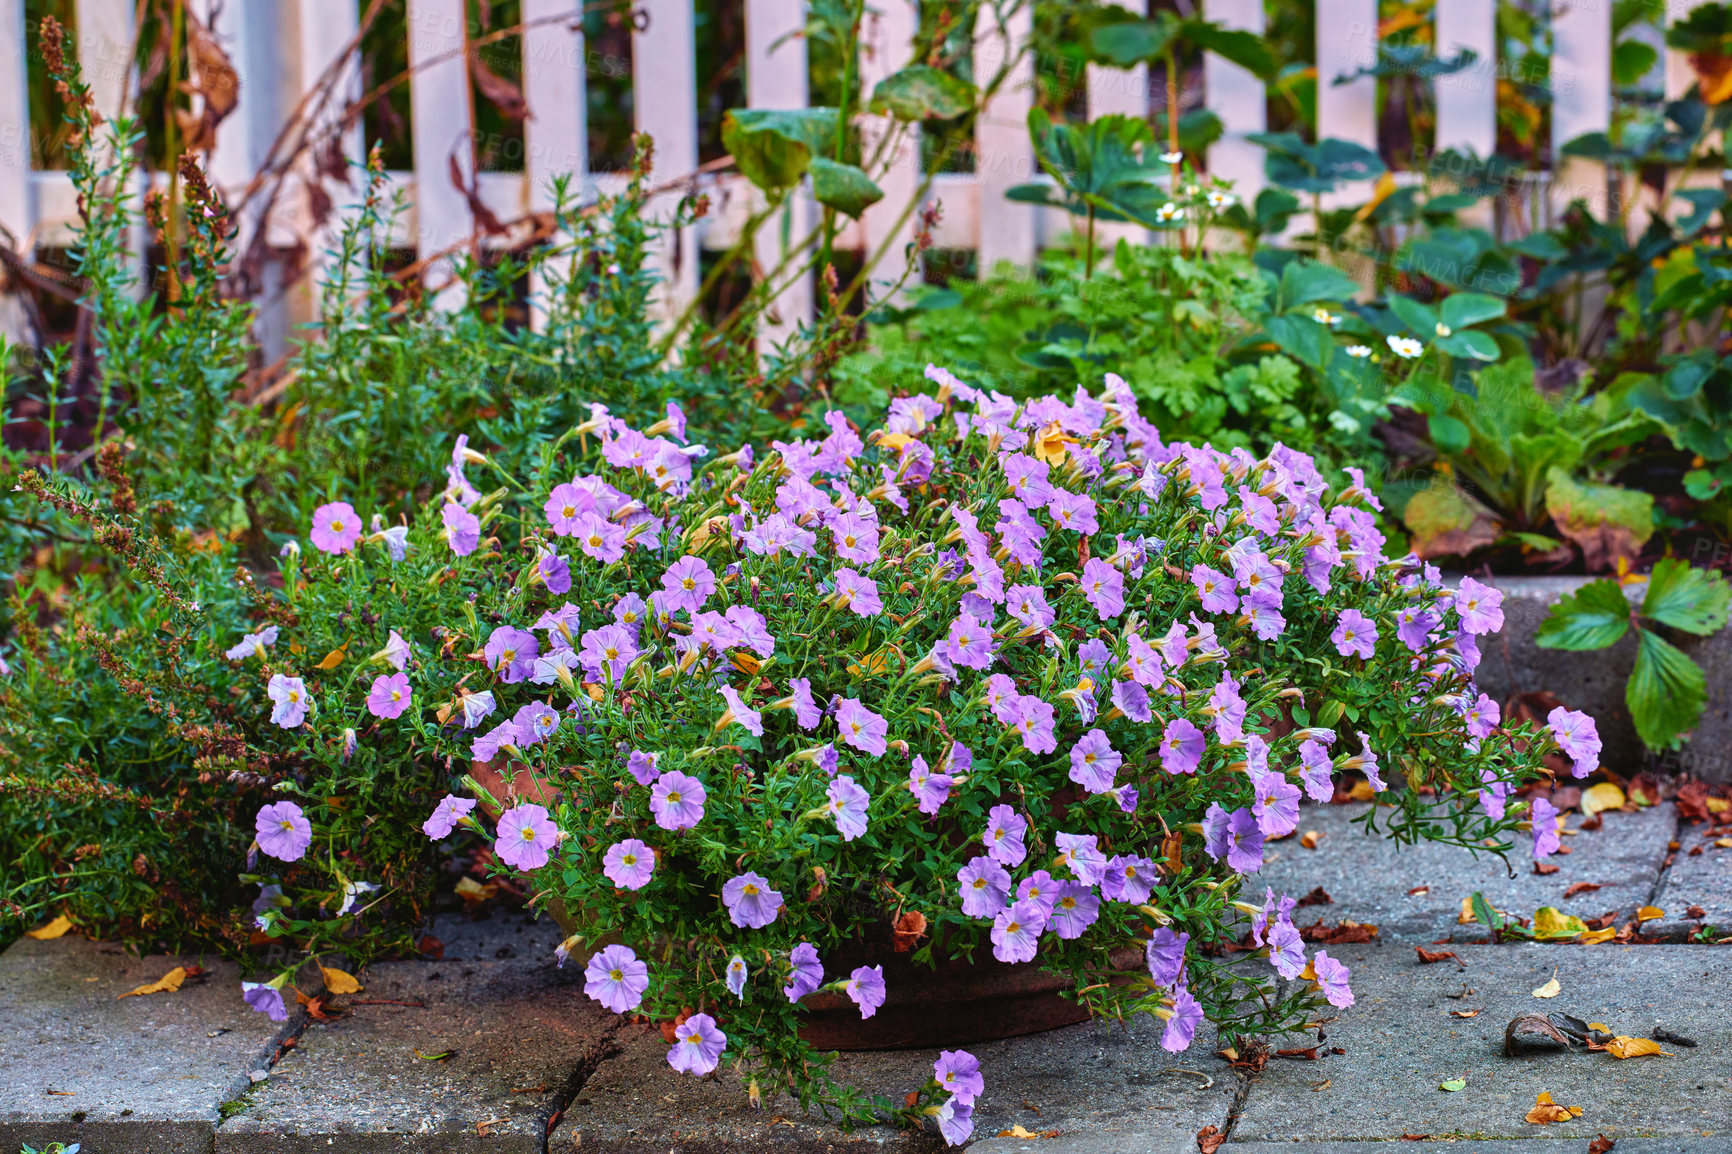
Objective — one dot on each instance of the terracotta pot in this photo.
(955, 1004)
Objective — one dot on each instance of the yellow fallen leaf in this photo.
(1554, 923)
(1595, 937)
(747, 662)
(1309, 973)
(52, 930)
(1466, 917)
(338, 982)
(1310, 839)
(332, 659)
(1551, 989)
(871, 665)
(1362, 791)
(1600, 1026)
(1603, 796)
(1546, 1111)
(1649, 913)
(167, 984)
(1017, 1131)
(1624, 1046)
(1723, 842)
(473, 892)
(1717, 804)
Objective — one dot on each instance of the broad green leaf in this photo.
(1035, 192)
(1246, 49)
(1305, 282)
(1666, 692)
(1687, 598)
(1133, 41)
(1470, 344)
(1448, 434)
(1592, 617)
(1459, 310)
(1631, 60)
(1304, 339)
(922, 92)
(1605, 521)
(1551, 922)
(1418, 317)
(843, 187)
(772, 148)
(1447, 522)
(1483, 913)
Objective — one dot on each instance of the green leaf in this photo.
(1460, 310)
(1453, 1085)
(1687, 598)
(1304, 339)
(843, 187)
(1483, 913)
(1631, 60)
(1605, 521)
(1449, 435)
(1471, 344)
(1132, 41)
(1593, 617)
(772, 148)
(1305, 282)
(1416, 316)
(1666, 692)
(922, 92)
(1448, 522)
(1246, 49)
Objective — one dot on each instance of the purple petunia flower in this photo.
(1315, 769)
(1182, 746)
(1016, 932)
(688, 583)
(283, 830)
(738, 712)
(1354, 633)
(1367, 763)
(931, 789)
(1332, 977)
(1481, 716)
(1228, 709)
(866, 987)
(861, 728)
(1494, 796)
(958, 1073)
(969, 643)
(735, 976)
(336, 528)
(677, 800)
(476, 707)
(1215, 823)
(1164, 954)
(1480, 606)
(1127, 795)
(526, 837)
(1132, 700)
(1218, 591)
(1094, 762)
(565, 505)
(450, 810)
(1182, 1026)
(600, 538)
(389, 696)
(857, 593)
(1103, 587)
(1544, 817)
(1578, 737)
(1277, 806)
(1244, 842)
(806, 972)
(807, 714)
(698, 1045)
(1413, 626)
(1128, 879)
(955, 1120)
(751, 903)
(252, 643)
(985, 887)
(644, 767)
(510, 653)
(629, 864)
(288, 700)
(1035, 722)
(460, 528)
(616, 978)
(1286, 950)
(1004, 833)
(266, 999)
(1074, 909)
(849, 805)
(1081, 855)
(607, 652)
(535, 722)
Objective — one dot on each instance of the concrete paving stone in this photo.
(1401, 1043)
(520, 1032)
(1703, 880)
(1108, 1086)
(138, 1075)
(1369, 878)
(1696, 1145)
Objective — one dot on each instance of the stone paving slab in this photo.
(1697, 1145)
(1369, 878)
(1108, 1086)
(520, 1032)
(1704, 880)
(1401, 1042)
(120, 1075)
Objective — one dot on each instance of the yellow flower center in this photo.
(616, 975)
(569, 511)
(750, 890)
(528, 833)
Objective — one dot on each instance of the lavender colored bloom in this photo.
(526, 837)
(1073, 511)
(1165, 955)
(1494, 796)
(1094, 761)
(1039, 887)
(476, 707)
(600, 538)
(1016, 932)
(1354, 633)
(866, 987)
(1218, 591)
(487, 746)
(1074, 909)
(751, 903)
(389, 696)
(688, 583)
(856, 538)
(1181, 1028)
(535, 722)
(698, 1045)
(460, 528)
(861, 728)
(958, 1073)
(1034, 721)
(252, 643)
(1104, 588)
(1480, 606)
(1286, 950)
(510, 653)
(1544, 817)
(1244, 842)
(1577, 736)
(1215, 823)
(336, 528)
(735, 976)
(806, 972)
(1182, 746)
(283, 830)
(828, 759)
(955, 1120)
(266, 999)
(1128, 879)
(629, 611)
(644, 767)
(1027, 603)
(985, 887)
(1481, 716)
(629, 864)
(969, 643)
(1005, 829)
(931, 789)
(857, 593)
(616, 978)
(1132, 700)
(848, 805)
(1367, 760)
(1315, 769)
(677, 800)
(1277, 806)
(1332, 977)
(607, 652)
(738, 712)
(1413, 627)
(555, 571)
(288, 700)
(1229, 709)
(565, 505)
(807, 715)
(450, 810)
(1127, 795)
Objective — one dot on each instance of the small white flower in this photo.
(1172, 157)
(1443, 330)
(1358, 351)
(1405, 347)
(1219, 200)
(1324, 317)
(1170, 211)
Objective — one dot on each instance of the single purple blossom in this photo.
(1286, 950)
(807, 714)
(958, 1073)
(616, 978)
(644, 767)
(629, 864)
(1094, 762)
(460, 528)
(1016, 932)
(1075, 908)
(698, 1045)
(688, 583)
(1103, 587)
(1480, 607)
(1244, 842)
(1544, 817)
(806, 972)
(1182, 746)
(283, 830)
(1578, 737)
(288, 700)
(266, 999)
(1332, 977)
(866, 987)
(389, 696)
(1277, 805)
(735, 976)
(955, 1121)
(1181, 1028)
(336, 527)
(861, 728)
(1005, 829)
(677, 800)
(969, 643)
(931, 789)
(526, 837)
(1128, 879)
(1164, 953)
(450, 810)
(1218, 591)
(738, 712)
(510, 653)
(751, 903)
(848, 805)
(1354, 633)
(985, 887)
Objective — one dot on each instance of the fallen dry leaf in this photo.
(1546, 1111)
(1531, 1024)
(332, 659)
(1601, 1145)
(1306, 1054)
(1466, 917)
(1362, 791)
(1603, 796)
(1545, 869)
(1581, 888)
(473, 892)
(1310, 838)
(167, 984)
(1464, 1013)
(1426, 957)
(1317, 897)
(52, 930)
(1649, 913)
(1551, 989)
(1696, 912)
(1723, 842)
(1209, 1139)
(1624, 1046)
(1595, 937)
(338, 982)
(1417, 890)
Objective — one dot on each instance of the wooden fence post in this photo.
(664, 104)
(1581, 97)
(442, 131)
(555, 136)
(1237, 97)
(886, 46)
(1346, 42)
(776, 78)
(1125, 92)
(1003, 153)
(324, 29)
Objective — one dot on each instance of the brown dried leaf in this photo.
(1581, 888)
(908, 930)
(54, 929)
(1317, 897)
(1426, 957)
(1531, 1024)
(1601, 1145)
(1209, 1139)
(1546, 1111)
(167, 984)
(1310, 839)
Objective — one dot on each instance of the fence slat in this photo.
(776, 78)
(105, 57)
(1581, 96)
(886, 43)
(17, 213)
(440, 131)
(1003, 154)
(325, 28)
(1125, 92)
(1467, 100)
(1237, 97)
(1346, 42)
(555, 137)
(664, 102)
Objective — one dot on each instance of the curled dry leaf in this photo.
(1581, 888)
(1209, 1139)
(1601, 1145)
(1317, 897)
(338, 982)
(1426, 957)
(1624, 1046)
(1545, 869)
(1310, 838)
(1417, 890)
(167, 984)
(908, 930)
(1466, 918)
(1551, 989)
(1546, 1111)
(54, 929)
(1530, 1024)
(1464, 1013)
(1604, 796)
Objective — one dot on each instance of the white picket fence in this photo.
(281, 47)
